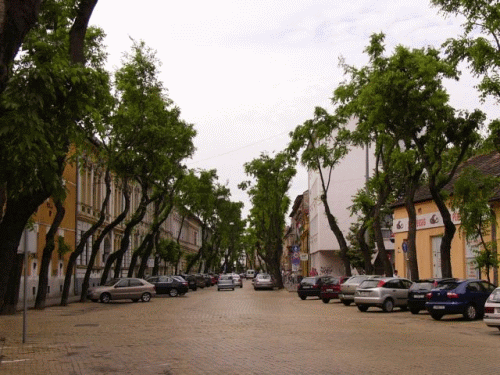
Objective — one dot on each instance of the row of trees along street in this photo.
(402, 108)
(71, 110)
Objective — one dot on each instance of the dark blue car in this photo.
(466, 297)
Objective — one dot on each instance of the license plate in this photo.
(418, 296)
(329, 290)
(306, 287)
(438, 307)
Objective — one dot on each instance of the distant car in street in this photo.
(263, 281)
(466, 297)
(172, 285)
(191, 279)
(331, 288)
(200, 280)
(237, 280)
(250, 274)
(348, 288)
(492, 309)
(122, 288)
(225, 282)
(419, 290)
(385, 293)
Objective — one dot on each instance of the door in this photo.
(436, 257)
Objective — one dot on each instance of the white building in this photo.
(346, 179)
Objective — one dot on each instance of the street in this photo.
(242, 332)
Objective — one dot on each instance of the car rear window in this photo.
(422, 286)
(264, 277)
(308, 281)
(369, 283)
(447, 286)
(355, 280)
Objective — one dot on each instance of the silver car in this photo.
(348, 289)
(263, 281)
(386, 293)
(237, 280)
(125, 288)
(225, 282)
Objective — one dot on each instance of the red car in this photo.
(331, 288)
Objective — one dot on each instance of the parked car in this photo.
(213, 278)
(172, 285)
(348, 288)
(191, 279)
(263, 281)
(466, 297)
(419, 289)
(492, 309)
(237, 280)
(331, 288)
(208, 279)
(200, 280)
(386, 293)
(311, 286)
(225, 282)
(122, 288)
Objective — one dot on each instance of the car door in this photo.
(135, 289)
(392, 289)
(474, 294)
(486, 289)
(120, 289)
(405, 288)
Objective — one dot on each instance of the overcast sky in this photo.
(247, 72)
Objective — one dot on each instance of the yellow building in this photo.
(430, 230)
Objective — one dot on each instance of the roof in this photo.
(489, 164)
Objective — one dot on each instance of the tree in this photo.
(57, 106)
(472, 194)
(479, 44)
(402, 98)
(154, 139)
(268, 195)
(324, 143)
(20, 16)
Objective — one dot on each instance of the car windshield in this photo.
(369, 284)
(331, 281)
(111, 282)
(225, 277)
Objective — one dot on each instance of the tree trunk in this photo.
(117, 256)
(17, 17)
(146, 255)
(16, 216)
(340, 237)
(412, 235)
(12, 296)
(83, 240)
(43, 275)
(97, 243)
(449, 232)
(79, 29)
(365, 249)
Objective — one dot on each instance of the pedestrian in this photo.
(396, 273)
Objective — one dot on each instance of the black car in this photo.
(420, 288)
(200, 280)
(311, 286)
(171, 285)
(191, 279)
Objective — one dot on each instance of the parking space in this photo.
(242, 332)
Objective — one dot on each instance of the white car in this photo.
(492, 309)
(237, 280)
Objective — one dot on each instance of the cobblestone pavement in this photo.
(242, 332)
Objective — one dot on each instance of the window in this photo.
(135, 282)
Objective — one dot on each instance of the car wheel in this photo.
(404, 308)
(194, 289)
(105, 297)
(173, 292)
(362, 308)
(325, 300)
(498, 328)
(388, 305)
(302, 297)
(241, 286)
(436, 316)
(470, 312)
(414, 311)
(346, 303)
(146, 297)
